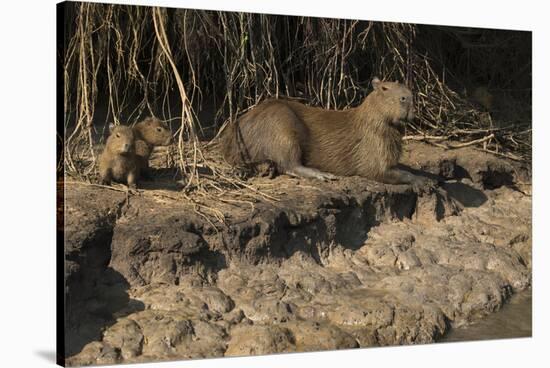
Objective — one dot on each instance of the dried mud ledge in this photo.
(345, 264)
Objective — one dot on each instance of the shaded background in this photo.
(198, 69)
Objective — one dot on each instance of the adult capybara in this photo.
(314, 142)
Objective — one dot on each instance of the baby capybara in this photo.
(118, 160)
(150, 133)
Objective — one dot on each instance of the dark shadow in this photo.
(464, 194)
(166, 178)
(164, 173)
(88, 316)
(460, 172)
(353, 225)
(447, 170)
(161, 184)
(276, 233)
(213, 261)
(303, 239)
(161, 178)
(493, 179)
(421, 173)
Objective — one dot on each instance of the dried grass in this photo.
(176, 63)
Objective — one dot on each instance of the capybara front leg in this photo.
(105, 176)
(131, 180)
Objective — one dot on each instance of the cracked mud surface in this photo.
(335, 265)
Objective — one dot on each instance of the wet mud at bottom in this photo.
(514, 320)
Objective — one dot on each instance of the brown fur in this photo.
(118, 159)
(150, 133)
(313, 142)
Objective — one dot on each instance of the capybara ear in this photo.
(111, 127)
(375, 82)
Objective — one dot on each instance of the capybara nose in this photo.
(126, 147)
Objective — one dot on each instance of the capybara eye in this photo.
(403, 99)
(118, 135)
(159, 129)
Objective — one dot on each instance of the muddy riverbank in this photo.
(346, 264)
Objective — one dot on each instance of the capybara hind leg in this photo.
(308, 172)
